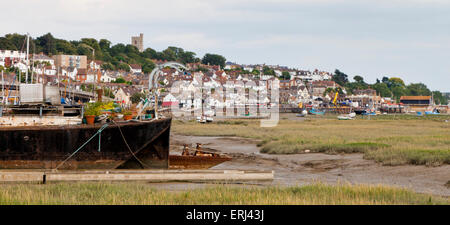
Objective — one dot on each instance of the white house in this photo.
(135, 68)
(95, 64)
(107, 78)
(14, 56)
(69, 72)
(21, 66)
(41, 58)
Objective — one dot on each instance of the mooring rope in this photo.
(126, 143)
(99, 131)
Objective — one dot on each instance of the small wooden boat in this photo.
(199, 160)
(195, 162)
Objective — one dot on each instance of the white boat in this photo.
(204, 119)
(349, 116)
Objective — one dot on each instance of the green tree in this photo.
(150, 53)
(6, 44)
(359, 79)
(169, 55)
(382, 89)
(120, 80)
(187, 57)
(340, 77)
(439, 98)
(214, 59)
(398, 91)
(148, 66)
(417, 89)
(117, 49)
(268, 71)
(201, 69)
(136, 97)
(47, 42)
(65, 47)
(396, 82)
(104, 45)
(108, 66)
(123, 66)
(285, 75)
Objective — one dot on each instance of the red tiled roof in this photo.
(415, 97)
(135, 66)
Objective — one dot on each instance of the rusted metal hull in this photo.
(195, 162)
(45, 147)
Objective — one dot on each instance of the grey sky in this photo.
(405, 38)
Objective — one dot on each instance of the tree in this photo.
(107, 66)
(6, 44)
(187, 57)
(65, 47)
(120, 80)
(149, 53)
(439, 99)
(396, 82)
(340, 78)
(351, 86)
(117, 49)
(47, 42)
(359, 79)
(123, 66)
(328, 90)
(148, 66)
(285, 75)
(136, 97)
(201, 69)
(417, 89)
(268, 71)
(104, 44)
(382, 89)
(214, 59)
(82, 50)
(398, 91)
(169, 55)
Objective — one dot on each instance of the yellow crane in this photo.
(335, 98)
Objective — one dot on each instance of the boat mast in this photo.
(28, 62)
(3, 90)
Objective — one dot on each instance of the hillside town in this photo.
(298, 89)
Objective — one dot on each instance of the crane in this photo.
(153, 84)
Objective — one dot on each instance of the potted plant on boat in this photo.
(127, 115)
(91, 111)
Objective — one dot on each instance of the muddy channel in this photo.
(301, 169)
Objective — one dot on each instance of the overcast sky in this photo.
(405, 38)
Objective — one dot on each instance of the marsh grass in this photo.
(140, 193)
(407, 139)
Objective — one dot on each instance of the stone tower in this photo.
(138, 41)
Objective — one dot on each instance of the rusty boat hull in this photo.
(195, 162)
(45, 147)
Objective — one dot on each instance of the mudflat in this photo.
(306, 168)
